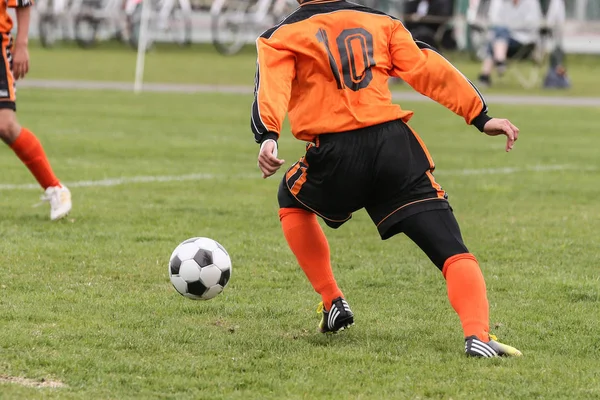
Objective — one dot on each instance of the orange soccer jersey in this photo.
(327, 66)
(6, 23)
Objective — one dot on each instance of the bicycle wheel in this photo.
(180, 27)
(48, 30)
(230, 23)
(86, 30)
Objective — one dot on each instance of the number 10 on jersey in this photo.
(355, 48)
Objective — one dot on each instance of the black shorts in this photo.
(385, 169)
(7, 81)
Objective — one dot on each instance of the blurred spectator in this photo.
(427, 21)
(555, 20)
(514, 25)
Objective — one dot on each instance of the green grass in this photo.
(87, 301)
(202, 64)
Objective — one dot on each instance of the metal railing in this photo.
(583, 18)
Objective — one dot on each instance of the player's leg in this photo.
(437, 233)
(327, 182)
(30, 151)
(27, 147)
(24, 143)
(408, 199)
(307, 241)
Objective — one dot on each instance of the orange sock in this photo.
(309, 244)
(29, 149)
(467, 294)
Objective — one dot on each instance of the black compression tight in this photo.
(437, 233)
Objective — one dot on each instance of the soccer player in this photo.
(14, 65)
(327, 65)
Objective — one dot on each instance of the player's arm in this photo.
(275, 71)
(21, 51)
(430, 74)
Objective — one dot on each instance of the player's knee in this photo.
(437, 233)
(444, 255)
(9, 127)
(449, 246)
(294, 211)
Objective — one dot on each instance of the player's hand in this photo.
(267, 158)
(20, 61)
(496, 126)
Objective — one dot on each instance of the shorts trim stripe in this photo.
(427, 154)
(299, 172)
(318, 213)
(7, 90)
(293, 176)
(292, 171)
(297, 186)
(441, 194)
(406, 205)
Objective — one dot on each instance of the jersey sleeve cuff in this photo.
(269, 135)
(480, 121)
(22, 4)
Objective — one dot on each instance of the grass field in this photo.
(87, 301)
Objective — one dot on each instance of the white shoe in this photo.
(59, 198)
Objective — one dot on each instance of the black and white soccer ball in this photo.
(200, 268)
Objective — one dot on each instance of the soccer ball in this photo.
(199, 268)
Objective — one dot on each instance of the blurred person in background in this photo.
(556, 78)
(427, 21)
(514, 24)
(14, 65)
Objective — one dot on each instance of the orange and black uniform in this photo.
(7, 81)
(327, 66)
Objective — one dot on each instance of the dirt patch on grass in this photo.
(35, 383)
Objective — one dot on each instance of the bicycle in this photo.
(236, 22)
(97, 20)
(54, 20)
(171, 17)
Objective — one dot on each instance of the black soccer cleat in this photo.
(474, 347)
(338, 318)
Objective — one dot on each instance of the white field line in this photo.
(514, 170)
(131, 180)
(109, 182)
